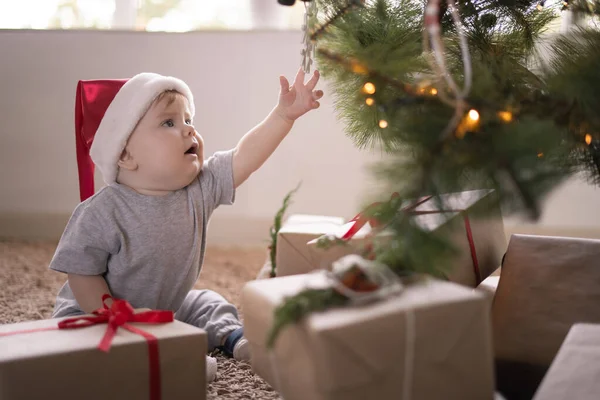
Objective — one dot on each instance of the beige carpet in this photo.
(28, 289)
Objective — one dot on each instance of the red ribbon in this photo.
(118, 315)
(361, 219)
(470, 239)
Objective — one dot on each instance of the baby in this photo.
(142, 238)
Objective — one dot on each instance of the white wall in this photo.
(234, 76)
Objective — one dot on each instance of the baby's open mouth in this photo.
(192, 149)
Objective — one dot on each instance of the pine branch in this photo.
(339, 13)
(355, 66)
(297, 307)
(276, 227)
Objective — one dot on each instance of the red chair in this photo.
(92, 99)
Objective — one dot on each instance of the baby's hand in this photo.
(298, 99)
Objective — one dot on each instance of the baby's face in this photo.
(167, 149)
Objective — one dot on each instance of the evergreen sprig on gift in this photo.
(296, 307)
(276, 227)
(326, 242)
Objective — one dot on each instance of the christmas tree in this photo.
(462, 95)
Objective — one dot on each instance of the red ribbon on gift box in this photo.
(361, 219)
(119, 314)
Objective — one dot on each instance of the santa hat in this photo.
(106, 112)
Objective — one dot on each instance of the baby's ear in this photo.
(126, 161)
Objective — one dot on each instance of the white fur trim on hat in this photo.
(124, 112)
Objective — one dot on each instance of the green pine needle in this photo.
(297, 307)
(276, 227)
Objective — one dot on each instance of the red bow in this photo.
(118, 315)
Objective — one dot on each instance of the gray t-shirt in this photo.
(149, 249)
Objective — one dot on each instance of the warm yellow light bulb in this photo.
(370, 101)
(505, 116)
(470, 123)
(588, 139)
(433, 91)
(358, 68)
(383, 124)
(369, 88)
(473, 115)
(540, 155)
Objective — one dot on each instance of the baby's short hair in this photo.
(169, 96)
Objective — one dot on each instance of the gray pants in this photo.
(210, 311)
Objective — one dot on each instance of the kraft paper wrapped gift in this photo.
(67, 364)
(575, 372)
(547, 284)
(432, 341)
(488, 287)
(292, 255)
(480, 241)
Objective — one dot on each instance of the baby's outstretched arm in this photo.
(258, 144)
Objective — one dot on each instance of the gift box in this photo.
(547, 285)
(488, 287)
(472, 221)
(292, 256)
(61, 359)
(575, 371)
(432, 341)
(340, 241)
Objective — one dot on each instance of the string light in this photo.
(369, 88)
(370, 101)
(505, 116)
(473, 115)
(433, 91)
(358, 68)
(540, 155)
(588, 139)
(469, 123)
(383, 124)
